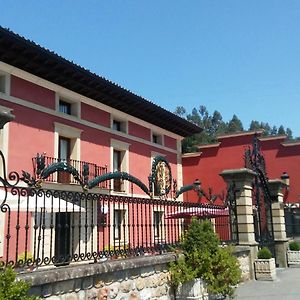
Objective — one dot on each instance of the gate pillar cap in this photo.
(276, 186)
(242, 174)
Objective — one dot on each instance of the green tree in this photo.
(254, 125)
(194, 117)
(289, 134)
(281, 130)
(217, 124)
(180, 111)
(274, 130)
(235, 124)
(266, 127)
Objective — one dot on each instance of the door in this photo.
(64, 156)
(62, 238)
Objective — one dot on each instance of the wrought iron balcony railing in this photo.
(63, 177)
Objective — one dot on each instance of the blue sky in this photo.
(233, 56)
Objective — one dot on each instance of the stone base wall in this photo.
(137, 278)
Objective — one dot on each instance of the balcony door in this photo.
(64, 149)
(117, 165)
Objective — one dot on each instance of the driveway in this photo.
(285, 287)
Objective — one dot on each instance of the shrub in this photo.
(264, 253)
(294, 246)
(203, 258)
(10, 289)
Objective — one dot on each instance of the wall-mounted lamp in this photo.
(197, 185)
(5, 117)
(286, 179)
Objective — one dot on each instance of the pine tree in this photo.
(254, 125)
(289, 134)
(235, 124)
(274, 130)
(281, 130)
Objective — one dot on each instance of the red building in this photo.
(228, 153)
(71, 115)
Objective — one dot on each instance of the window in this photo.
(157, 139)
(119, 162)
(64, 155)
(158, 230)
(118, 156)
(66, 147)
(119, 224)
(65, 107)
(116, 125)
(119, 125)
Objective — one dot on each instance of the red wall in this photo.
(26, 90)
(139, 131)
(170, 142)
(95, 115)
(230, 155)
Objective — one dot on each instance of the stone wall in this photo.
(141, 277)
(144, 277)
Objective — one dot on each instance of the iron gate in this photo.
(262, 199)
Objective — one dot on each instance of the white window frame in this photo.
(123, 147)
(160, 137)
(123, 124)
(75, 105)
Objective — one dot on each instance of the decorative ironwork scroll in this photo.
(117, 175)
(160, 180)
(262, 199)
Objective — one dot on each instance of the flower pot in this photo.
(193, 290)
(293, 257)
(265, 269)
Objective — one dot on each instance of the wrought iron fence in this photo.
(40, 227)
(50, 227)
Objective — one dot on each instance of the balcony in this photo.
(66, 178)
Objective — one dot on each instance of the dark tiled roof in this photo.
(30, 57)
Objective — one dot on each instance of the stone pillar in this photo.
(281, 241)
(242, 178)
